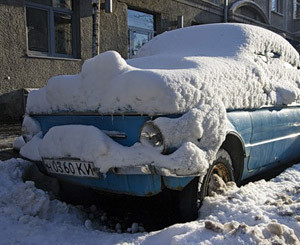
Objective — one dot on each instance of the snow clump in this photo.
(243, 215)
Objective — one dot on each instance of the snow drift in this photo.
(258, 213)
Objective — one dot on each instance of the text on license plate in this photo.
(70, 167)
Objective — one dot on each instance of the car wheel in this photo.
(191, 197)
(221, 168)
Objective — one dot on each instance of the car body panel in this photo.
(130, 125)
(240, 123)
(130, 184)
(275, 136)
(269, 136)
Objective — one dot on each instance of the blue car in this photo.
(255, 138)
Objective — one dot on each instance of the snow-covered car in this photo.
(197, 105)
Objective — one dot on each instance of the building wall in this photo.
(113, 26)
(19, 70)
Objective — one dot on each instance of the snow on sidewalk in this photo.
(260, 212)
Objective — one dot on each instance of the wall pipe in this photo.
(225, 11)
(95, 43)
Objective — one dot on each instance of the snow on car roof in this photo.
(243, 65)
(217, 40)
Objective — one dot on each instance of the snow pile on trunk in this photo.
(91, 144)
(196, 147)
(258, 213)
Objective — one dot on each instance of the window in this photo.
(140, 30)
(50, 28)
(277, 6)
(296, 13)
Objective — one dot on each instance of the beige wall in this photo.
(113, 26)
(18, 70)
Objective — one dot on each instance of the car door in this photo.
(275, 136)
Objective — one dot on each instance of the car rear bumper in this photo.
(136, 181)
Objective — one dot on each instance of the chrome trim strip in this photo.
(149, 169)
(115, 134)
(122, 136)
(273, 140)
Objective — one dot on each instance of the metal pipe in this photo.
(95, 44)
(108, 6)
(225, 11)
(180, 21)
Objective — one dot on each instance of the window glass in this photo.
(297, 12)
(37, 26)
(277, 6)
(296, 9)
(274, 5)
(50, 27)
(140, 19)
(65, 4)
(140, 30)
(138, 40)
(44, 2)
(63, 33)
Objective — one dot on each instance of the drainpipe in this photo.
(95, 44)
(180, 21)
(225, 11)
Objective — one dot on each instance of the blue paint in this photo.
(130, 125)
(137, 185)
(140, 185)
(176, 183)
(269, 136)
(240, 122)
(269, 124)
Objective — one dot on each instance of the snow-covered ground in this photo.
(257, 213)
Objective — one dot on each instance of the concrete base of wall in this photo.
(12, 105)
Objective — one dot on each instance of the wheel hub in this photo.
(218, 177)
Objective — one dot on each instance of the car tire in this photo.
(191, 197)
(77, 195)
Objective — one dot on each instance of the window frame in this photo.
(51, 30)
(132, 29)
(278, 7)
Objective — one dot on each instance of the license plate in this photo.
(70, 167)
